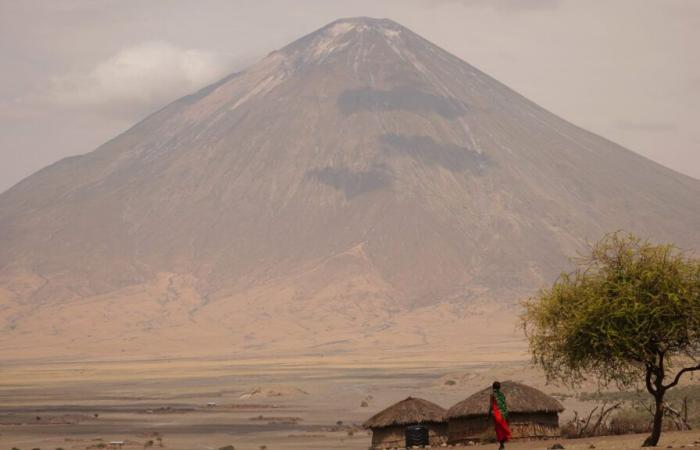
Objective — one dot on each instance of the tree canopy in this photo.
(628, 314)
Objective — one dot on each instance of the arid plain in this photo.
(208, 404)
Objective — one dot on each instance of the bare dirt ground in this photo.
(208, 404)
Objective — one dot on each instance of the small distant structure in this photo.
(117, 444)
(412, 421)
(532, 414)
(211, 404)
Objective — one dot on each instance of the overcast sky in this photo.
(78, 72)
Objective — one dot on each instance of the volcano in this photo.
(360, 188)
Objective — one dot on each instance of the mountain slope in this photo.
(346, 186)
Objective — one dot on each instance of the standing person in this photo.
(499, 411)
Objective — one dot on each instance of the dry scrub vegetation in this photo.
(622, 412)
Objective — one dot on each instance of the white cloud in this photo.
(139, 78)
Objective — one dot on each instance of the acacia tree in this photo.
(629, 315)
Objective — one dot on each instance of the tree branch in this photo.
(678, 419)
(603, 413)
(584, 427)
(680, 374)
(650, 387)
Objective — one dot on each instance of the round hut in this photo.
(410, 418)
(532, 414)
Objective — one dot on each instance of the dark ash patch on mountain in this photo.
(425, 149)
(352, 183)
(399, 99)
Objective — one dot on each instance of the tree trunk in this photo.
(652, 440)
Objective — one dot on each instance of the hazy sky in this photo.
(77, 72)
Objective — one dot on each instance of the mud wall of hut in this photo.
(395, 437)
(522, 426)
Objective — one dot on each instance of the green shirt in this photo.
(501, 402)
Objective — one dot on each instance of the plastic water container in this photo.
(417, 435)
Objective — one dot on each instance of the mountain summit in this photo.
(360, 188)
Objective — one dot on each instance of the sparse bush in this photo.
(227, 447)
(595, 424)
(561, 395)
(339, 423)
(569, 430)
(149, 443)
(679, 398)
(629, 421)
(450, 382)
(351, 433)
(263, 447)
(364, 404)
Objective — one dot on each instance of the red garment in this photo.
(502, 430)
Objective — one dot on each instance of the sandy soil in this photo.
(207, 404)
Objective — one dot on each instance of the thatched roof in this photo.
(407, 412)
(519, 398)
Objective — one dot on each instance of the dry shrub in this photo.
(569, 430)
(630, 421)
(625, 421)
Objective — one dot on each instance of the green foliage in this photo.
(628, 307)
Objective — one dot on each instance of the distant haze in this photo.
(77, 73)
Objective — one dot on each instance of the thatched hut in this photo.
(389, 427)
(532, 414)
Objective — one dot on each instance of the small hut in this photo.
(532, 414)
(410, 418)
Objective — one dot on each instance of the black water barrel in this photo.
(417, 435)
